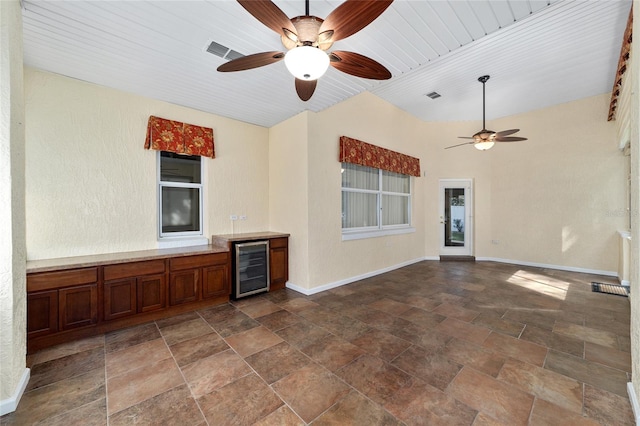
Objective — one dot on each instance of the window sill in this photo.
(359, 235)
(173, 242)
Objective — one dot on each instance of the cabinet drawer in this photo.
(190, 262)
(278, 242)
(133, 269)
(52, 280)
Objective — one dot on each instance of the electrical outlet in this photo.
(233, 217)
(243, 217)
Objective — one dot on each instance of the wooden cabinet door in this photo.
(42, 313)
(183, 286)
(278, 263)
(215, 281)
(119, 298)
(151, 293)
(78, 306)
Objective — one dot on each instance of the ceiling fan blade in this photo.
(269, 14)
(507, 132)
(251, 61)
(305, 88)
(358, 65)
(352, 16)
(510, 139)
(460, 144)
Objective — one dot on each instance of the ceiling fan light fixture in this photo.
(483, 146)
(306, 62)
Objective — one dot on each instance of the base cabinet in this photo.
(42, 313)
(119, 298)
(215, 281)
(78, 306)
(151, 293)
(183, 287)
(278, 262)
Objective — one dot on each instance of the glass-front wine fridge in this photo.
(252, 268)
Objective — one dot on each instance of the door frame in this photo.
(467, 184)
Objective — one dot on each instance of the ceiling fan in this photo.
(485, 139)
(307, 38)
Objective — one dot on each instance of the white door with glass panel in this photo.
(456, 218)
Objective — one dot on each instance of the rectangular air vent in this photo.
(433, 95)
(223, 51)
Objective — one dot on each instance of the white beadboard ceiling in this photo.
(538, 53)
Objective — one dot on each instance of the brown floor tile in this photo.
(276, 362)
(381, 344)
(434, 368)
(600, 337)
(432, 341)
(198, 348)
(121, 339)
(532, 318)
(475, 356)
(516, 348)
(447, 298)
(390, 306)
(398, 327)
(241, 402)
(229, 321)
(332, 352)
(606, 407)
(544, 384)
(91, 414)
(504, 326)
(251, 341)
(177, 319)
(138, 385)
(463, 330)
(545, 413)
(283, 416)
(65, 349)
(298, 304)
(302, 334)
(455, 311)
(418, 403)
(62, 368)
(501, 401)
(354, 409)
(173, 407)
(423, 318)
(135, 357)
(374, 377)
(588, 372)
(553, 340)
(607, 356)
(185, 330)
(208, 374)
(58, 398)
(310, 391)
(260, 308)
(624, 343)
(279, 320)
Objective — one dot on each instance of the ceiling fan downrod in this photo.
(482, 80)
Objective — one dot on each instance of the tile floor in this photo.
(432, 343)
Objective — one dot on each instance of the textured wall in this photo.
(13, 327)
(289, 192)
(91, 187)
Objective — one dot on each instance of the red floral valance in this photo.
(181, 138)
(364, 154)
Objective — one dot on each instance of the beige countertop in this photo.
(46, 265)
(223, 240)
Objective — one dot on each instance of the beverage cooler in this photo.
(251, 268)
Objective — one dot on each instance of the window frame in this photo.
(187, 236)
(380, 229)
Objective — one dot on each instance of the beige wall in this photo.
(91, 187)
(289, 191)
(13, 329)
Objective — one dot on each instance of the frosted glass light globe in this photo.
(306, 62)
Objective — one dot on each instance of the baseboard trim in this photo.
(634, 402)
(10, 404)
(625, 283)
(549, 266)
(329, 286)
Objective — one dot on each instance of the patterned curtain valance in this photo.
(364, 154)
(181, 138)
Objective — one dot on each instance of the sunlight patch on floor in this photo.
(540, 284)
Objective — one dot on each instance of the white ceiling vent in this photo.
(433, 95)
(223, 51)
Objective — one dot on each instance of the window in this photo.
(179, 195)
(374, 199)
